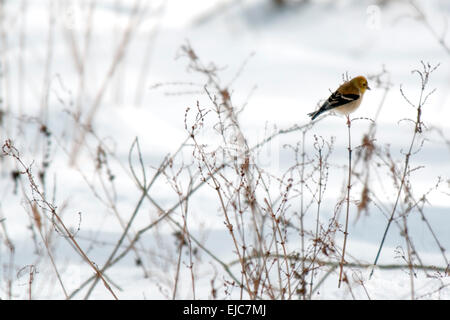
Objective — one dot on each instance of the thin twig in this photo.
(424, 76)
(349, 185)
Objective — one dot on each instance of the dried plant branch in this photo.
(9, 150)
(424, 75)
(440, 38)
(135, 19)
(349, 186)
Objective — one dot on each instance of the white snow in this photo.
(293, 57)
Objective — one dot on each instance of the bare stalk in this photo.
(424, 76)
(134, 21)
(10, 150)
(316, 240)
(439, 38)
(349, 186)
(302, 214)
(228, 223)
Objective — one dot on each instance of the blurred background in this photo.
(80, 81)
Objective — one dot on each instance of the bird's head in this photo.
(361, 83)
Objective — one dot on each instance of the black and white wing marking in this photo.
(337, 99)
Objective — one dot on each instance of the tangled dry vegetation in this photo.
(278, 252)
(284, 243)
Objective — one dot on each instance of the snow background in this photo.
(295, 56)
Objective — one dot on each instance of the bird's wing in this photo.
(338, 99)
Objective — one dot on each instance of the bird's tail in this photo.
(315, 114)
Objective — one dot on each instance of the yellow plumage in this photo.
(346, 99)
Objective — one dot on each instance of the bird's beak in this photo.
(368, 88)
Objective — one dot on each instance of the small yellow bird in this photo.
(345, 99)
